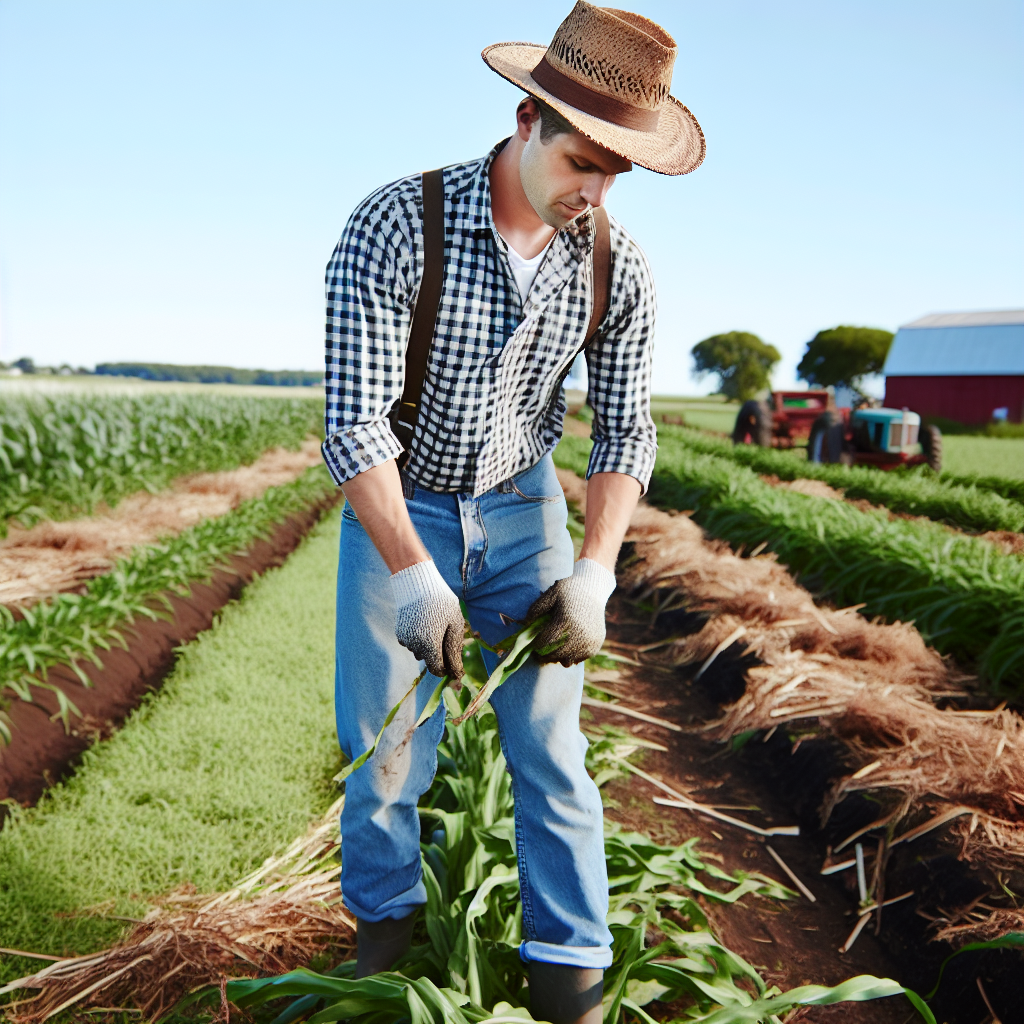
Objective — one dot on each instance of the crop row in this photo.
(468, 970)
(66, 454)
(218, 770)
(918, 492)
(964, 596)
(1011, 489)
(68, 628)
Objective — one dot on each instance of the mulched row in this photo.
(43, 752)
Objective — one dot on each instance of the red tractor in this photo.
(885, 438)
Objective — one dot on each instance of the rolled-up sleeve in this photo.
(619, 369)
(371, 283)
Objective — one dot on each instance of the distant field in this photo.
(983, 456)
(711, 412)
(47, 385)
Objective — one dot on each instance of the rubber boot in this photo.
(381, 944)
(566, 995)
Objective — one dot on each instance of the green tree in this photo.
(742, 361)
(844, 355)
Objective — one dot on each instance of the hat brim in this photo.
(675, 147)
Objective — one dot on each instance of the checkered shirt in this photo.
(492, 403)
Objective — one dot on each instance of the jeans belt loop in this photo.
(408, 485)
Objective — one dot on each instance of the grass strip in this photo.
(964, 596)
(217, 771)
(62, 456)
(918, 491)
(68, 628)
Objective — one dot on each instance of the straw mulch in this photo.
(57, 556)
(873, 686)
(271, 922)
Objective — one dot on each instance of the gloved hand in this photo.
(429, 620)
(577, 613)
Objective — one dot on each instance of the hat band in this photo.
(608, 108)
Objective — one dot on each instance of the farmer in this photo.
(476, 513)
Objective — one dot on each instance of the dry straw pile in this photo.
(875, 687)
(271, 922)
(57, 556)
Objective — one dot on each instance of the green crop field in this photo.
(712, 413)
(223, 767)
(983, 456)
(69, 627)
(104, 385)
(63, 454)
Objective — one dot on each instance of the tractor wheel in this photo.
(825, 443)
(753, 424)
(931, 446)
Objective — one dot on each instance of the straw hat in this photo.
(608, 73)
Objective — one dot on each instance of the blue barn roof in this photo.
(959, 345)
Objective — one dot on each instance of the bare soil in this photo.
(43, 752)
(796, 942)
(59, 556)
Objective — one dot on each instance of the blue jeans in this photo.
(497, 552)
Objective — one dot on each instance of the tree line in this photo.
(838, 356)
(211, 374)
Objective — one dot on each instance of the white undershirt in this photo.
(524, 270)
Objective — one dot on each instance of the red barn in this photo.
(967, 367)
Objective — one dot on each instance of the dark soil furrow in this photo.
(43, 752)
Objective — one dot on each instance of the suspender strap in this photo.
(421, 334)
(602, 273)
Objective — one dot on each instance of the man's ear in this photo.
(527, 113)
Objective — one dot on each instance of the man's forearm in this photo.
(377, 500)
(611, 499)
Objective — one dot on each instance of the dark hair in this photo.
(551, 121)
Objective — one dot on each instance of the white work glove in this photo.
(428, 619)
(577, 607)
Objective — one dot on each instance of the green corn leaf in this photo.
(369, 752)
(433, 703)
(1012, 940)
(860, 989)
(514, 660)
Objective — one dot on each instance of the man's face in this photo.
(562, 176)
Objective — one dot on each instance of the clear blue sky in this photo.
(174, 175)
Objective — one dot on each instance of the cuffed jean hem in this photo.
(401, 906)
(569, 956)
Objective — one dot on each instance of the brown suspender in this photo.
(602, 274)
(421, 334)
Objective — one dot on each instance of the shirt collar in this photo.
(471, 204)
